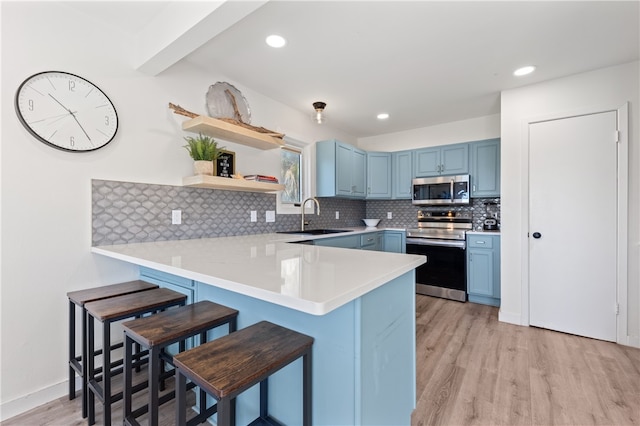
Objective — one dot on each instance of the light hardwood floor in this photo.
(474, 370)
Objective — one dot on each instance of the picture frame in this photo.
(225, 165)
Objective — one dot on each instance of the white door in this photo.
(572, 211)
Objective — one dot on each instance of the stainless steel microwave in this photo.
(440, 190)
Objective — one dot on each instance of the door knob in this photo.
(537, 235)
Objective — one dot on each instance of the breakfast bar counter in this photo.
(358, 305)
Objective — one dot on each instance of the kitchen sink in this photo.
(316, 231)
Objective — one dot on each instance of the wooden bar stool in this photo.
(108, 311)
(229, 365)
(77, 363)
(155, 334)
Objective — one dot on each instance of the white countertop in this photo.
(311, 279)
(484, 232)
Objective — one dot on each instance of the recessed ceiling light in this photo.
(275, 40)
(382, 116)
(524, 71)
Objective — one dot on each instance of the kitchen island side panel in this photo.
(363, 367)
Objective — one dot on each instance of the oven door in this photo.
(445, 273)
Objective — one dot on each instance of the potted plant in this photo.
(204, 151)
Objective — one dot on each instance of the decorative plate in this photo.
(220, 103)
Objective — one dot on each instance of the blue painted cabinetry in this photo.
(395, 242)
(372, 241)
(378, 175)
(485, 168)
(401, 174)
(391, 241)
(441, 160)
(483, 268)
(172, 282)
(340, 170)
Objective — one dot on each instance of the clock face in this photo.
(66, 111)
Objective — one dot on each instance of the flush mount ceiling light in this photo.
(276, 41)
(382, 116)
(524, 71)
(319, 115)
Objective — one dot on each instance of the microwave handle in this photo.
(452, 194)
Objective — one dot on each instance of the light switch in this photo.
(270, 216)
(254, 216)
(337, 215)
(389, 215)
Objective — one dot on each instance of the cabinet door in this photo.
(371, 241)
(378, 175)
(454, 159)
(394, 242)
(358, 173)
(351, 241)
(480, 270)
(426, 162)
(402, 173)
(485, 168)
(344, 167)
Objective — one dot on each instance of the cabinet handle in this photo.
(479, 242)
(474, 188)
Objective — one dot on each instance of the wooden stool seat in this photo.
(78, 298)
(227, 366)
(108, 311)
(157, 332)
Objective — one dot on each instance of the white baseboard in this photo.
(35, 399)
(509, 317)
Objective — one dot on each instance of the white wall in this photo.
(474, 129)
(588, 91)
(45, 193)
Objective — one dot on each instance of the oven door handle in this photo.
(440, 243)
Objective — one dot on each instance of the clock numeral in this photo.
(30, 104)
(106, 120)
(72, 86)
(72, 141)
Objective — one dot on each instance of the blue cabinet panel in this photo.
(441, 160)
(485, 168)
(402, 173)
(378, 175)
(483, 269)
(395, 241)
(340, 170)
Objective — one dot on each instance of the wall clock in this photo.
(66, 111)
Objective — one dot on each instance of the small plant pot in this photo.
(202, 167)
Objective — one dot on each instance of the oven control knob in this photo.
(537, 235)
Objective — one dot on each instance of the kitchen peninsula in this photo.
(358, 305)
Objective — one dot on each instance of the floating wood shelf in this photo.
(216, 182)
(230, 132)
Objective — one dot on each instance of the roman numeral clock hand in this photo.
(73, 115)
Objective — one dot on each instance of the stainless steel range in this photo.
(440, 236)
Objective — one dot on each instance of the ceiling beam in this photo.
(182, 27)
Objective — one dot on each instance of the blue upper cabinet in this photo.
(441, 160)
(378, 175)
(402, 173)
(340, 170)
(485, 168)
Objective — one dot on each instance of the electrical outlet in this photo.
(270, 216)
(389, 215)
(176, 217)
(254, 216)
(337, 215)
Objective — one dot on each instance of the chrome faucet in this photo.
(315, 200)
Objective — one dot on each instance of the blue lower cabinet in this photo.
(172, 282)
(349, 241)
(371, 241)
(483, 269)
(395, 242)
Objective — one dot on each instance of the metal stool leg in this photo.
(306, 389)
(127, 377)
(181, 399)
(106, 371)
(72, 349)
